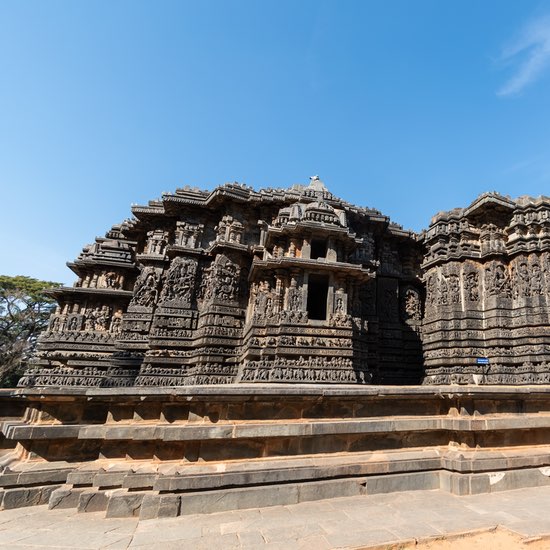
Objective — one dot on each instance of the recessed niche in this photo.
(317, 293)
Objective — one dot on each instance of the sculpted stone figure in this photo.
(221, 280)
(157, 241)
(180, 281)
(145, 290)
(112, 280)
(412, 305)
(472, 286)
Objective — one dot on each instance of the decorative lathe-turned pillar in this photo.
(487, 276)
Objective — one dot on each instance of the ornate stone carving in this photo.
(278, 285)
(310, 370)
(156, 242)
(146, 288)
(189, 235)
(454, 288)
(499, 264)
(497, 280)
(471, 284)
(230, 230)
(179, 283)
(221, 280)
(411, 305)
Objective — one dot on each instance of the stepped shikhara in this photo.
(297, 285)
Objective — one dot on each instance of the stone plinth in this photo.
(170, 451)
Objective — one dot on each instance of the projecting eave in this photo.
(313, 228)
(318, 265)
(83, 292)
(86, 265)
(398, 231)
(153, 209)
(490, 202)
(456, 214)
(526, 201)
(174, 202)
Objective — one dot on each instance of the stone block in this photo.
(139, 481)
(92, 500)
(124, 504)
(64, 497)
(55, 432)
(104, 480)
(18, 498)
(272, 430)
(467, 484)
(412, 481)
(93, 432)
(159, 506)
(319, 490)
(46, 493)
(238, 498)
(9, 479)
(190, 433)
(43, 477)
(81, 477)
(517, 479)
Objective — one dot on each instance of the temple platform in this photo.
(165, 452)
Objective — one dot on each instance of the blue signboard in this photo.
(482, 360)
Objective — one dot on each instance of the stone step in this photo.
(189, 489)
(148, 504)
(297, 428)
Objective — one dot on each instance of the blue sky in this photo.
(409, 107)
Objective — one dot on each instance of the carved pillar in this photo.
(280, 280)
(306, 248)
(332, 254)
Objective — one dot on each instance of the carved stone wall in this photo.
(486, 272)
(237, 285)
(77, 348)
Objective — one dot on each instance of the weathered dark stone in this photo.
(64, 497)
(288, 285)
(217, 352)
(160, 506)
(123, 504)
(465, 439)
(92, 500)
(487, 275)
(31, 496)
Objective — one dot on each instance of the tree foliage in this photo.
(25, 309)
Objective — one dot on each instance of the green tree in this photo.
(25, 308)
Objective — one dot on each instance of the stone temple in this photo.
(296, 285)
(236, 285)
(240, 348)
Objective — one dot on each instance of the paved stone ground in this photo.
(336, 523)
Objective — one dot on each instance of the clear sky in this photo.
(409, 107)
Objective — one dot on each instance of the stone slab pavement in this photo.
(352, 522)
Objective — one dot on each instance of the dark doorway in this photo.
(318, 249)
(317, 297)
